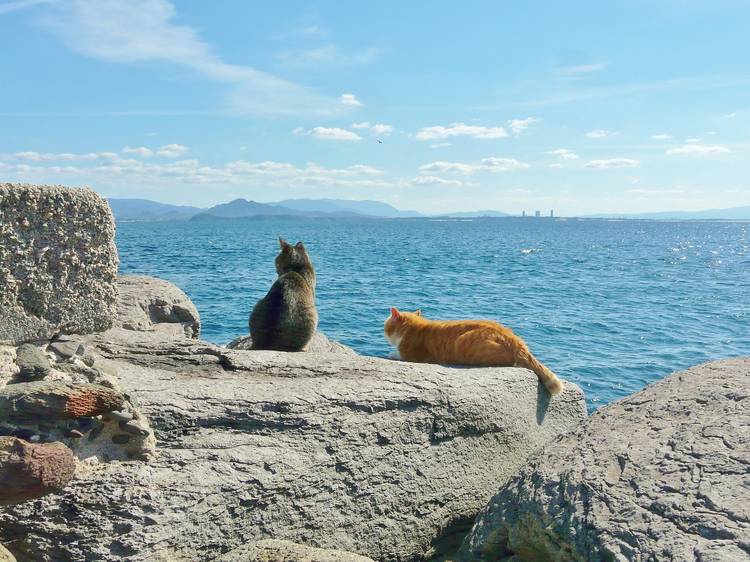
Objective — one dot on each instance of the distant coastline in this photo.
(144, 210)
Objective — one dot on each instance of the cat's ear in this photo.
(282, 243)
(395, 313)
(418, 312)
(300, 246)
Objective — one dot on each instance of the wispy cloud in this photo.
(518, 126)
(328, 133)
(435, 180)
(350, 100)
(661, 136)
(144, 31)
(172, 150)
(330, 54)
(492, 164)
(612, 163)
(730, 115)
(138, 151)
(565, 154)
(598, 134)
(698, 150)
(7, 7)
(581, 69)
(460, 129)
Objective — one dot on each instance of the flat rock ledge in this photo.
(662, 475)
(318, 344)
(284, 551)
(384, 459)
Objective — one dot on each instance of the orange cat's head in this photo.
(395, 323)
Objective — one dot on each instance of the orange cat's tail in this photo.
(548, 378)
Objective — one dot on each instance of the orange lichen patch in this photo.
(30, 470)
(90, 400)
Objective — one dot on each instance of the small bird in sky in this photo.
(379, 141)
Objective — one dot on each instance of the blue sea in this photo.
(611, 305)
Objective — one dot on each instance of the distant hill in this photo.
(734, 213)
(242, 208)
(145, 210)
(474, 214)
(367, 208)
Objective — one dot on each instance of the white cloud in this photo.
(565, 154)
(661, 136)
(656, 192)
(172, 150)
(381, 130)
(334, 133)
(460, 129)
(49, 156)
(491, 164)
(730, 115)
(612, 163)
(598, 134)
(350, 100)
(579, 69)
(693, 139)
(328, 55)
(440, 145)
(15, 5)
(435, 180)
(136, 31)
(556, 165)
(518, 126)
(138, 151)
(362, 125)
(698, 150)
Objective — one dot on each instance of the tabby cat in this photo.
(286, 318)
(463, 342)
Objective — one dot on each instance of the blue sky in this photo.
(583, 107)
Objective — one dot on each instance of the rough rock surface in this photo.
(6, 556)
(271, 550)
(318, 344)
(148, 303)
(386, 459)
(58, 262)
(662, 475)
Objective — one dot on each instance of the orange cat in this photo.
(463, 342)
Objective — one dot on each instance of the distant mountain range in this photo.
(734, 213)
(145, 210)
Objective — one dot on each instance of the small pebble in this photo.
(120, 439)
(120, 416)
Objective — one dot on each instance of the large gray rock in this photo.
(6, 556)
(271, 550)
(662, 475)
(319, 343)
(386, 459)
(148, 303)
(58, 262)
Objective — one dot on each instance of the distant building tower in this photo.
(537, 213)
(551, 213)
(523, 213)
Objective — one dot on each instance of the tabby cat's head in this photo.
(291, 258)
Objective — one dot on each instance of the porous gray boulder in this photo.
(662, 475)
(58, 262)
(380, 458)
(148, 303)
(271, 550)
(319, 343)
